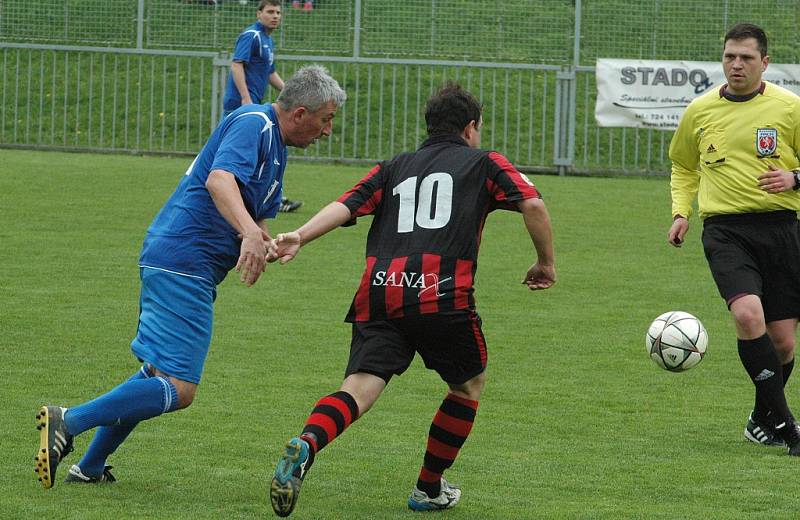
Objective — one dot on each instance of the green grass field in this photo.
(576, 422)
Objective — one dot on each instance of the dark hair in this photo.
(740, 31)
(450, 110)
(264, 3)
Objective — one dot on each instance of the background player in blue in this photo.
(253, 65)
(253, 61)
(416, 294)
(212, 223)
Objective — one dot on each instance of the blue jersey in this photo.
(189, 235)
(255, 50)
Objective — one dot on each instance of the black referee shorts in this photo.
(756, 253)
(451, 343)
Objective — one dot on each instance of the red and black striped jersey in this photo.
(429, 209)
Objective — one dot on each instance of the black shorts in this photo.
(452, 344)
(756, 253)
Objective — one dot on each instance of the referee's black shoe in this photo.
(761, 431)
(790, 433)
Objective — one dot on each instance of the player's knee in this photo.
(785, 349)
(186, 392)
(478, 381)
(749, 318)
(471, 389)
(364, 388)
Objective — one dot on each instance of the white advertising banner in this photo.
(654, 93)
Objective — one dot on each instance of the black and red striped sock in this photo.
(450, 428)
(330, 417)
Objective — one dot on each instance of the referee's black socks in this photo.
(764, 368)
(761, 410)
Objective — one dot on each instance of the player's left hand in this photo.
(285, 247)
(776, 180)
(540, 276)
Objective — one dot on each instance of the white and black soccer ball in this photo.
(676, 341)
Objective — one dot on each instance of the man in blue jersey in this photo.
(253, 66)
(253, 58)
(212, 223)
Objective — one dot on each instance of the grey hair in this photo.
(310, 87)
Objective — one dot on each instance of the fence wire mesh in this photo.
(140, 94)
(533, 31)
(683, 29)
(529, 31)
(78, 22)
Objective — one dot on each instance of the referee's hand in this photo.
(776, 180)
(680, 225)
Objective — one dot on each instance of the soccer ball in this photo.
(676, 341)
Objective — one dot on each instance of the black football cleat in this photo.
(76, 476)
(789, 431)
(762, 432)
(288, 206)
(54, 443)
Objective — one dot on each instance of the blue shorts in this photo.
(175, 317)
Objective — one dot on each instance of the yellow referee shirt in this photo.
(722, 146)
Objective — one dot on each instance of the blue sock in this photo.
(130, 402)
(107, 439)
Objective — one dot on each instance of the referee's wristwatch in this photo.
(796, 174)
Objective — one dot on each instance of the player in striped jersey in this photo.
(416, 294)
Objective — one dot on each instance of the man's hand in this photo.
(540, 276)
(677, 231)
(776, 180)
(253, 256)
(285, 247)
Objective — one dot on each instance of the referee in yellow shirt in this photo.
(736, 148)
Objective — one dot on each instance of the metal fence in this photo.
(146, 75)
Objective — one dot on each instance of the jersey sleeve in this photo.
(506, 184)
(685, 178)
(243, 50)
(365, 197)
(796, 122)
(238, 150)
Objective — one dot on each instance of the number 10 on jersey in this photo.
(435, 202)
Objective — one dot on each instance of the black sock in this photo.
(787, 371)
(761, 410)
(762, 365)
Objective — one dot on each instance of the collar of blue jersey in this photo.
(723, 92)
(270, 110)
(260, 27)
(443, 138)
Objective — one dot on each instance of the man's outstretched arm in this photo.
(286, 245)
